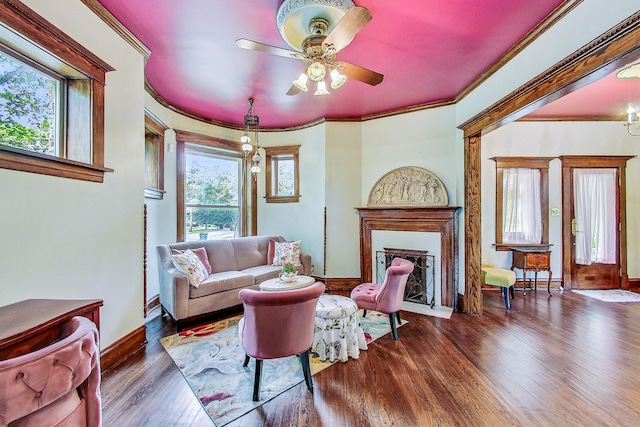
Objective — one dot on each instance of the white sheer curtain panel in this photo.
(521, 206)
(594, 194)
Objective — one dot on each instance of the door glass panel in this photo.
(595, 225)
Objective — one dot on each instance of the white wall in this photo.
(69, 239)
(342, 187)
(303, 220)
(551, 139)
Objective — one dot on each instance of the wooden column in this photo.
(472, 226)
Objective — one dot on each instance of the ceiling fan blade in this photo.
(345, 30)
(361, 74)
(261, 47)
(293, 90)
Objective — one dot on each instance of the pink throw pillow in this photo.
(271, 250)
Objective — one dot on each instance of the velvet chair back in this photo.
(278, 324)
(391, 293)
(58, 385)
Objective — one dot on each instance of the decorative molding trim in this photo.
(589, 63)
(408, 186)
(117, 26)
(559, 13)
(634, 284)
(123, 348)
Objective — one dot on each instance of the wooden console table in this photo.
(33, 324)
(532, 259)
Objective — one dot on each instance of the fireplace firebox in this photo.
(420, 283)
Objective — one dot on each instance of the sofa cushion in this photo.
(287, 253)
(250, 251)
(189, 263)
(263, 272)
(219, 282)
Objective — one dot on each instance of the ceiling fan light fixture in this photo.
(337, 79)
(322, 88)
(316, 71)
(301, 82)
(293, 17)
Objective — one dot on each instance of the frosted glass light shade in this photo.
(247, 147)
(337, 79)
(322, 88)
(301, 82)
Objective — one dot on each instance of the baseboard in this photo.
(123, 348)
(634, 284)
(153, 303)
(339, 283)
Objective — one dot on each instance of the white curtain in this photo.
(521, 206)
(594, 194)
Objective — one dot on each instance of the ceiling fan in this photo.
(318, 44)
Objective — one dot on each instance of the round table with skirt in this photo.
(337, 332)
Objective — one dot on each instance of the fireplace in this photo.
(440, 219)
(420, 283)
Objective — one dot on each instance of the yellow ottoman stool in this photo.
(491, 275)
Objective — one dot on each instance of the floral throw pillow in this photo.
(202, 254)
(286, 253)
(190, 264)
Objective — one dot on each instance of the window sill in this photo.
(509, 246)
(281, 199)
(26, 161)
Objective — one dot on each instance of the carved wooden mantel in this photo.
(436, 219)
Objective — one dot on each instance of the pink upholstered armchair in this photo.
(385, 298)
(58, 385)
(278, 324)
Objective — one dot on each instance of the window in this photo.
(522, 201)
(153, 157)
(51, 99)
(282, 176)
(210, 188)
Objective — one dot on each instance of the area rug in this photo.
(210, 358)
(611, 295)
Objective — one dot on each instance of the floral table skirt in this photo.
(337, 333)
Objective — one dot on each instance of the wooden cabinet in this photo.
(33, 324)
(532, 259)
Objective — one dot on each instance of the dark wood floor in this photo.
(562, 361)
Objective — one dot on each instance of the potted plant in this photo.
(288, 272)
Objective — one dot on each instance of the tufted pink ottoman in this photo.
(337, 332)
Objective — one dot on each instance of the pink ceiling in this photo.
(428, 50)
(607, 97)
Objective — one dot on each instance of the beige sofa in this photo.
(235, 264)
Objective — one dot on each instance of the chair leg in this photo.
(398, 317)
(246, 360)
(306, 369)
(364, 312)
(256, 381)
(505, 292)
(394, 329)
(512, 289)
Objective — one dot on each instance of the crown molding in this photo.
(117, 26)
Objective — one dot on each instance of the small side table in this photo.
(532, 259)
(337, 333)
(278, 285)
